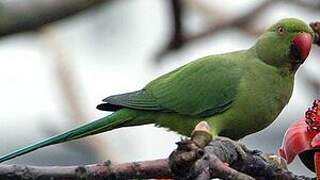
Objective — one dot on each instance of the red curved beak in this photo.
(303, 43)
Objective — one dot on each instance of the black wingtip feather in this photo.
(108, 107)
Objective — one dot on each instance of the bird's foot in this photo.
(240, 148)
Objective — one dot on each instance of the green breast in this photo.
(263, 93)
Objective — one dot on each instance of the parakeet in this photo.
(236, 93)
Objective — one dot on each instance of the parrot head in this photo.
(285, 44)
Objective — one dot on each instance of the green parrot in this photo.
(236, 93)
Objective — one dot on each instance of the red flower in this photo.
(303, 139)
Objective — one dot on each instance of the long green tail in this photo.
(101, 125)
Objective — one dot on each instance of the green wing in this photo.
(202, 88)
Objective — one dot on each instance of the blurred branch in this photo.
(20, 16)
(309, 4)
(67, 80)
(242, 22)
(177, 16)
(307, 77)
(193, 159)
(70, 88)
(316, 28)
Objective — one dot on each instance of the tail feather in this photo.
(101, 125)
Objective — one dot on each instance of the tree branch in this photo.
(20, 16)
(146, 169)
(193, 159)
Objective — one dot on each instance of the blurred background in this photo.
(59, 59)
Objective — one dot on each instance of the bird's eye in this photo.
(281, 30)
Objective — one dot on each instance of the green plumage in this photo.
(237, 93)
